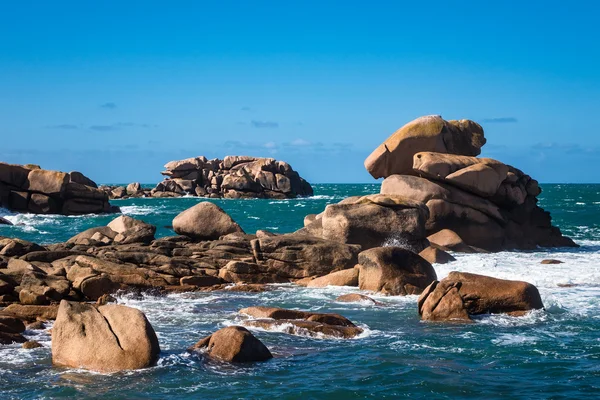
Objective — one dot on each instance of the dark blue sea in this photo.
(551, 353)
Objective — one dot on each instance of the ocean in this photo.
(550, 353)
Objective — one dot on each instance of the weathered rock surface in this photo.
(356, 298)
(106, 339)
(296, 322)
(461, 294)
(205, 221)
(394, 271)
(483, 223)
(233, 177)
(430, 133)
(233, 344)
(373, 220)
(436, 256)
(347, 277)
(31, 189)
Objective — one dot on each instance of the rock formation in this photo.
(490, 205)
(233, 177)
(32, 189)
(105, 339)
(462, 294)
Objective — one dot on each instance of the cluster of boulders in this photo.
(28, 188)
(490, 205)
(437, 199)
(233, 177)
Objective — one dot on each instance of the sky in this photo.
(115, 89)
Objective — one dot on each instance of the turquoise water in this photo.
(552, 353)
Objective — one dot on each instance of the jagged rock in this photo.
(441, 301)
(4, 221)
(205, 221)
(233, 344)
(17, 247)
(430, 133)
(130, 230)
(394, 271)
(245, 272)
(133, 188)
(374, 220)
(346, 277)
(105, 339)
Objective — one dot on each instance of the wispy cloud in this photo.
(104, 128)
(108, 106)
(300, 142)
(63, 126)
(247, 109)
(500, 120)
(264, 124)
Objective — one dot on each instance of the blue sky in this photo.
(117, 89)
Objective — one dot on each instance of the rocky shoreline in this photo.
(446, 201)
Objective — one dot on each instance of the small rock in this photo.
(31, 344)
(356, 298)
(233, 344)
(551, 261)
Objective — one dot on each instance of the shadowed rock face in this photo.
(233, 344)
(31, 189)
(106, 339)
(429, 133)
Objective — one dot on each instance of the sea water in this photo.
(550, 353)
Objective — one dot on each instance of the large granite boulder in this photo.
(233, 344)
(232, 177)
(430, 133)
(109, 338)
(394, 271)
(32, 189)
(462, 294)
(205, 221)
(374, 220)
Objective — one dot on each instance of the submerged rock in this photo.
(233, 344)
(105, 339)
(356, 298)
(296, 322)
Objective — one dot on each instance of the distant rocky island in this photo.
(233, 177)
(437, 198)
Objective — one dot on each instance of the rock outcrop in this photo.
(394, 271)
(32, 189)
(233, 344)
(462, 294)
(491, 206)
(105, 339)
(233, 177)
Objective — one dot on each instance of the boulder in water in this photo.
(233, 344)
(109, 338)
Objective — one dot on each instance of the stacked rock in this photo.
(490, 205)
(232, 177)
(29, 188)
